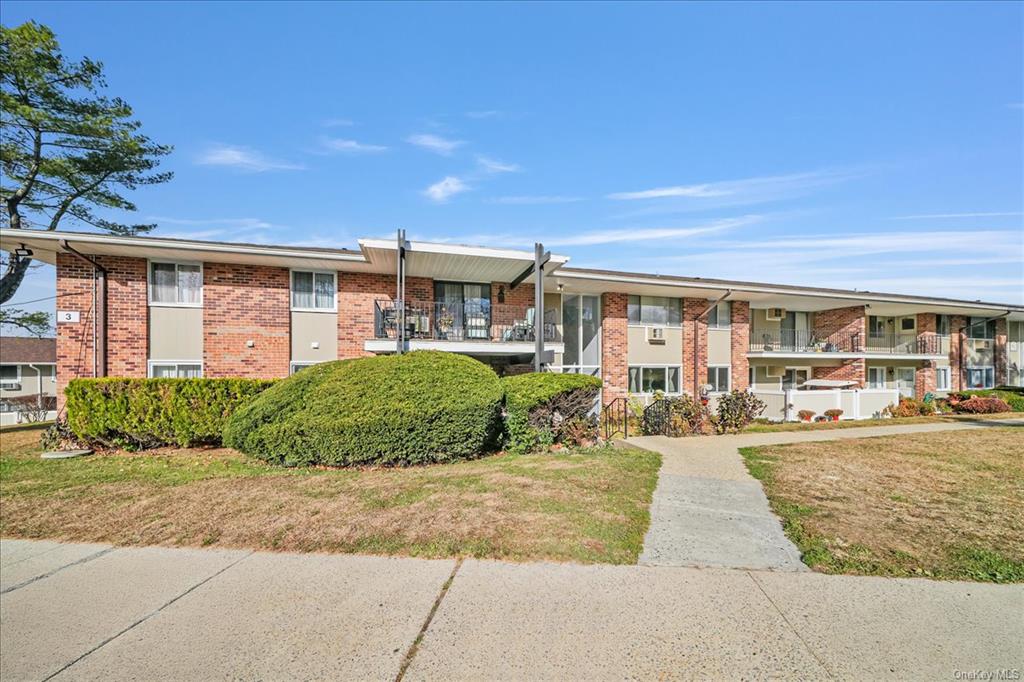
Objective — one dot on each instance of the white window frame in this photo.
(979, 368)
(664, 367)
(291, 290)
(945, 372)
(641, 323)
(12, 385)
(885, 373)
(174, 304)
(718, 318)
(151, 363)
(728, 378)
(796, 368)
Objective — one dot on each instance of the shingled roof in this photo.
(21, 350)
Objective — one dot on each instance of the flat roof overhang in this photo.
(455, 262)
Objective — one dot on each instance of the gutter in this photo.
(99, 318)
(960, 343)
(696, 340)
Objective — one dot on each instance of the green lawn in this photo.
(946, 505)
(588, 505)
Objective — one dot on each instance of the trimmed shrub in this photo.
(145, 413)
(393, 410)
(736, 410)
(908, 407)
(546, 408)
(979, 405)
(686, 417)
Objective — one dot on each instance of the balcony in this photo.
(844, 344)
(469, 327)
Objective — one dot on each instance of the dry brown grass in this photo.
(946, 504)
(589, 506)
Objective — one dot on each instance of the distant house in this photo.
(28, 375)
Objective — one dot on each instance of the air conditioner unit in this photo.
(775, 314)
(775, 371)
(655, 335)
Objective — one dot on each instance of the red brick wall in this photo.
(924, 379)
(849, 370)
(838, 324)
(956, 335)
(504, 315)
(243, 303)
(127, 319)
(358, 293)
(740, 342)
(614, 346)
(999, 353)
(695, 334)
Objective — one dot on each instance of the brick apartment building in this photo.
(148, 306)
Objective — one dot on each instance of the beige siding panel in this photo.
(759, 323)
(314, 328)
(719, 347)
(642, 352)
(175, 333)
(30, 382)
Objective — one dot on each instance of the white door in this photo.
(876, 377)
(905, 381)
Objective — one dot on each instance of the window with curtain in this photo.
(175, 370)
(942, 325)
(313, 290)
(647, 380)
(176, 283)
(942, 379)
(980, 329)
(718, 378)
(720, 317)
(980, 377)
(655, 310)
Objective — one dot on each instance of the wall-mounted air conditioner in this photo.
(775, 371)
(775, 314)
(656, 335)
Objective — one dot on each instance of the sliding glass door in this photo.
(462, 310)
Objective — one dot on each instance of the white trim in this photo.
(457, 250)
(464, 347)
(948, 372)
(291, 290)
(885, 372)
(642, 367)
(175, 363)
(728, 376)
(175, 263)
(11, 385)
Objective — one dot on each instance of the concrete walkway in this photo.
(708, 511)
(74, 612)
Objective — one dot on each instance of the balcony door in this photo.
(905, 381)
(794, 331)
(462, 310)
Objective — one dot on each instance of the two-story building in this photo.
(149, 306)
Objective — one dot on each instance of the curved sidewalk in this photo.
(708, 511)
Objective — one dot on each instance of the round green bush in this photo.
(415, 408)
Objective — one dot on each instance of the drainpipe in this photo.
(39, 384)
(960, 343)
(99, 320)
(696, 341)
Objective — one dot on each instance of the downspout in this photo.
(99, 320)
(39, 384)
(960, 342)
(696, 341)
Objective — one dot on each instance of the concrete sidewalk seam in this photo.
(411, 653)
(149, 615)
(33, 556)
(782, 615)
(83, 560)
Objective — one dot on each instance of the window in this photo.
(980, 377)
(296, 366)
(581, 325)
(720, 317)
(876, 377)
(942, 379)
(907, 324)
(942, 325)
(176, 284)
(980, 329)
(654, 379)
(313, 290)
(795, 377)
(655, 310)
(10, 376)
(718, 379)
(175, 370)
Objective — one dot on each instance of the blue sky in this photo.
(876, 146)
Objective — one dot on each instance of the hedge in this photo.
(414, 408)
(545, 408)
(145, 413)
(1014, 398)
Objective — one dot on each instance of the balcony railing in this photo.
(444, 321)
(817, 341)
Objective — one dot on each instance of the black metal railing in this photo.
(477, 321)
(615, 419)
(657, 419)
(805, 341)
(909, 344)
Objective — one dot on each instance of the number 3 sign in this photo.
(67, 316)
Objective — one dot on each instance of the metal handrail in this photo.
(614, 414)
(479, 321)
(904, 343)
(804, 341)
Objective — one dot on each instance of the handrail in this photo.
(467, 321)
(611, 413)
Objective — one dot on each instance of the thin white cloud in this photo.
(748, 189)
(494, 166)
(845, 246)
(932, 216)
(243, 158)
(440, 192)
(542, 199)
(640, 234)
(343, 146)
(435, 143)
(489, 113)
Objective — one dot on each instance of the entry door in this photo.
(876, 377)
(905, 381)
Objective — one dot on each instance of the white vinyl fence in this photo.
(855, 403)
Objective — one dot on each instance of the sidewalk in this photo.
(74, 612)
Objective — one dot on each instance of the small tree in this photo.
(736, 410)
(66, 149)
